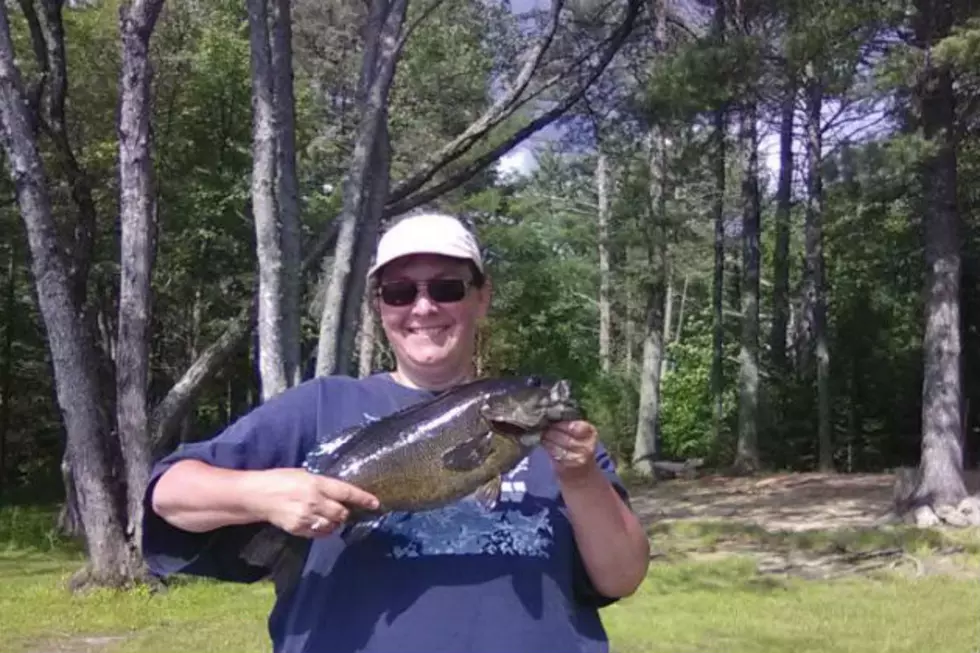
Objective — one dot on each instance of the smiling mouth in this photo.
(428, 331)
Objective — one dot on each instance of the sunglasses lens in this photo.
(447, 290)
(399, 293)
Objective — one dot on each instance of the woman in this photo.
(526, 577)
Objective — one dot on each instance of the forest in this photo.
(746, 231)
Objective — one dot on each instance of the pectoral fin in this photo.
(488, 493)
(468, 455)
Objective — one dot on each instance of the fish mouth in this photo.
(508, 428)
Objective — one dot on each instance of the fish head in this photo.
(526, 406)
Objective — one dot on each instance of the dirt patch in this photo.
(793, 502)
(811, 525)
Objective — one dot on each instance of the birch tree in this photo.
(271, 332)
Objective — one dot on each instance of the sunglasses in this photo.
(404, 292)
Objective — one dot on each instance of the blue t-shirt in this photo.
(455, 580)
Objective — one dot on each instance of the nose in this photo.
(423, 304)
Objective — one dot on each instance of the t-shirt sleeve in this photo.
(278, 433)
(585, 591)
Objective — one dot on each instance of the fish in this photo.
(426, 456)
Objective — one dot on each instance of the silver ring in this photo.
(318, 524)
(561, 454)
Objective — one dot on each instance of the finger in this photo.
(560, 439)
(331, 510)
(578, 429)
(322, 527)
(346, 494)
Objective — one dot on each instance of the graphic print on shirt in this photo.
(520, 525)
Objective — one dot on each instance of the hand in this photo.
(572, 446)
(306, 504)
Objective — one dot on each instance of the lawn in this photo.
(698, 597)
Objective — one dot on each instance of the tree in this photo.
(71, 352)
(137, 213)
(939, 488)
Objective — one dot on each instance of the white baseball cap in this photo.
(427, 233)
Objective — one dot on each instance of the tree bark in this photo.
(814, 289)
(747, 447)
(645, 447)
(678, 332)
(272, 364)
(784, 198)
(382, 51)
(368, 334)
(137, 212)
(718, 215)
(668, 319)
(940, 484)
(72, 358)
(367, 239)
(646, 444)
(287, 187)
(7, 371)
(49, 97)
(605, 319)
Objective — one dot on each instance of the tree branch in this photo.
(168, 414)
(401, 203)
(497, 113)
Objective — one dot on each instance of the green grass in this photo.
(686, 605)
(724, 606)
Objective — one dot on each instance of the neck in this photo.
(425, 380)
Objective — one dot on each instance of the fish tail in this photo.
(279, 552)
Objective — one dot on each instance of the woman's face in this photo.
(432, 340)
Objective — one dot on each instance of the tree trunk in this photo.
(646, 440)
(718, 215)
(137, 212)
(629, 328)
(50, 95)
(680, 313)
(646, 444)
(940, 487)
(814, 272)
(784, 197)
(7, 371)
(72, 357)
(747, 448)
(668, 320)
(367, 240)
(287, 187)
(365, 354)
(382, 51)
(69, 517)
(718, 285)
(605, 319)
(272, 363)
